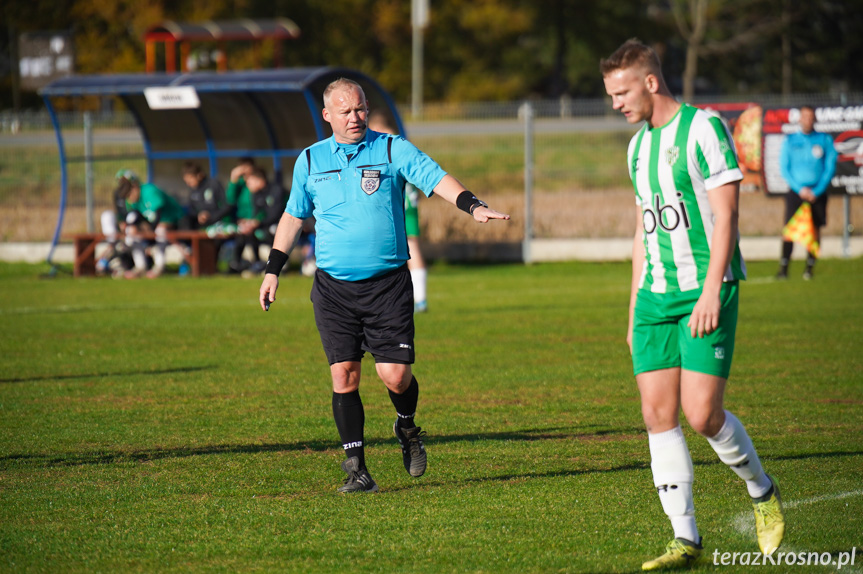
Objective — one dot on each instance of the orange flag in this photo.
(801, 229)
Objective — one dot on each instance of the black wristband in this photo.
(276, 261)
(465, 201)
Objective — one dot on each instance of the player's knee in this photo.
(659, 418)
(705, 423)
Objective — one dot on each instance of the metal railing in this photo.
(557, 166)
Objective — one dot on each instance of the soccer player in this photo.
(808, 162)
(686, 265)
(416, 264)
(353, 183)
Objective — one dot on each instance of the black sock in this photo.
(350, 419)
(787, 249)
(810, 262)
(239, 247)
(406, 404)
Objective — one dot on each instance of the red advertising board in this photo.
(759, 133)
(843, 122)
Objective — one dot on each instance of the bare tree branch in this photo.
(748, 37)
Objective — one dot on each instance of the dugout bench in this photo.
(202, 258)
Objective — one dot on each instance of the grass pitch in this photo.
(171, 425)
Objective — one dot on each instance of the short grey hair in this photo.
(341, 84)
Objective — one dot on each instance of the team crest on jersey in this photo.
(371, 180)
(671, 155)
(817, 151)
(724, 148)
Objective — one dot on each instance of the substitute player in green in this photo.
(686, 265)
(354, 184)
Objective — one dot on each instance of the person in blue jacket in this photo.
(354, 185)
(808, 162)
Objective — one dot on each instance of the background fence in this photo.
(573, 152)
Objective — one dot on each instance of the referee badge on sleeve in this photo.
(371, 180)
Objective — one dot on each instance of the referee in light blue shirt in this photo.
(354, 185)
(807, 161)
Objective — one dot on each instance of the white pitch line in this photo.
(744, 522)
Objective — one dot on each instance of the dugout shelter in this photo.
(214, 119)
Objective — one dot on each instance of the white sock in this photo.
(673, 476)
(418, 276)
(138, 256)
(159, 257)
(735, 449)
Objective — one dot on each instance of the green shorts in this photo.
(661, 339)
(412, 216)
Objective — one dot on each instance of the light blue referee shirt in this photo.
(359, 203)
(808, 160)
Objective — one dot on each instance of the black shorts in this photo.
(819, 208)
(374, 315)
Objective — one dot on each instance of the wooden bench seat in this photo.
(202, 258)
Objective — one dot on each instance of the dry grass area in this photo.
(590, 214)
(600, 214)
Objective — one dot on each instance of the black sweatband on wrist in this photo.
(276, 261)
(465, 201)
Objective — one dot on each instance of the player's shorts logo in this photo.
(371, 180)
(671, 155)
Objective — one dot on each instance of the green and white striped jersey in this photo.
(672, 167)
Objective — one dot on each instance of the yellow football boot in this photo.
(770, 521)
(679, 553)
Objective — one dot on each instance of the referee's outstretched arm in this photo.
(283, 243)
(450, 189)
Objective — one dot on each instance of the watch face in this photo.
(478, 203)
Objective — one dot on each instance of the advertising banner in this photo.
(842, 122)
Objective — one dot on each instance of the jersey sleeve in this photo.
(299, 202)
(415, 166)
(717, 155)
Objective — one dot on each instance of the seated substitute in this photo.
(209, 209)
(117, 256)
(149, 209)
(270, 197)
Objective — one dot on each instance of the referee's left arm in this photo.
(450, 189)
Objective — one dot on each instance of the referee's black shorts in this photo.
(374, 315)
(819, 208)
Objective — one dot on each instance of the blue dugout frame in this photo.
(281, 148)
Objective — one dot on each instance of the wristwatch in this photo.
(477, 203)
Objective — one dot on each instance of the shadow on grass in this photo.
(147, 455)
(527, 435)
(581, 471)
(102, 375)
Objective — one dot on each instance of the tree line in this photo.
(489, 50)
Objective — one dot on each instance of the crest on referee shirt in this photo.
(371, 180)
(671, 155)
